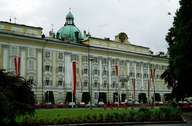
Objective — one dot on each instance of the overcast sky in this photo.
(146, 22)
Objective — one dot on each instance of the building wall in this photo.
(55, 58)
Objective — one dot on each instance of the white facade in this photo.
(48, 62)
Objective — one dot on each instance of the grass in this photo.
(84, 115)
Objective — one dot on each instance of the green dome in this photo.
(69, 31)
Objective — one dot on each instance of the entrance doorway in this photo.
(49, 97)
(102, 97)
(85, 97)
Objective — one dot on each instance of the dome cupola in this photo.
(69, 19)
(69, 31)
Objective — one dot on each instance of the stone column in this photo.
(128, 80)
(109, 70)
(23, 61)
(39, 67)
(135, 81)
(142, 83)
(100, 73)
(40, 74)
(54, 66)
(5, 58)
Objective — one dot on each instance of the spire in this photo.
(69, 18)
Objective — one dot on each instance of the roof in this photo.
(116, 41)
(21, 25)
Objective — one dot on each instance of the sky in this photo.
(146, 22)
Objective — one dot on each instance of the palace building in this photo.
(73, 66)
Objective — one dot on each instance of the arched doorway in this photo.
(49, 97)
(123, 97)
(157, 97)
(102, 97)
(85, 97)
(142, 98)
(69, 97)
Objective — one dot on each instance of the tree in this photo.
(16, 97)
(179, 38)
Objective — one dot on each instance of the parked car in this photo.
(82, 104)
(90, 105)
(185, 105)
(71, 104)
(100, 104)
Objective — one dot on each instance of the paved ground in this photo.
(187, 116)
(165, 125)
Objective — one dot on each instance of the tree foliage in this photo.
(16, 97)
(179, 38)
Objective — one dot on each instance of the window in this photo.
(113, 62)
(113, 72)
(132, 74)
(47, 82)
(60, 56)
(96, 71)
(105, 84)
(96, 60)
(138, 75)
(95, 84)
(158, 76)
(31, 65)
(85, 71)
(14, 51)
(113, 84)
(104, 71)
(122, 85)
(84, 59)
(85, 83)
(60, 69)
(145, 65)
(145, 75)
(104, 61)
(47, 68)
(31, 52)
(60, 83)
(47, 54)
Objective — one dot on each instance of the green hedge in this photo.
(65, 116)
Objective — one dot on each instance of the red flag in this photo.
(19, 65)
(116, 70)
(152, 74)
(17, 61)
(74, 78)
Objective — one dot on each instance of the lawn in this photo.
(86, 115)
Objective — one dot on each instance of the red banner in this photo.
(116, 70)
(74, 79)
(152, 74)
(17, 62)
